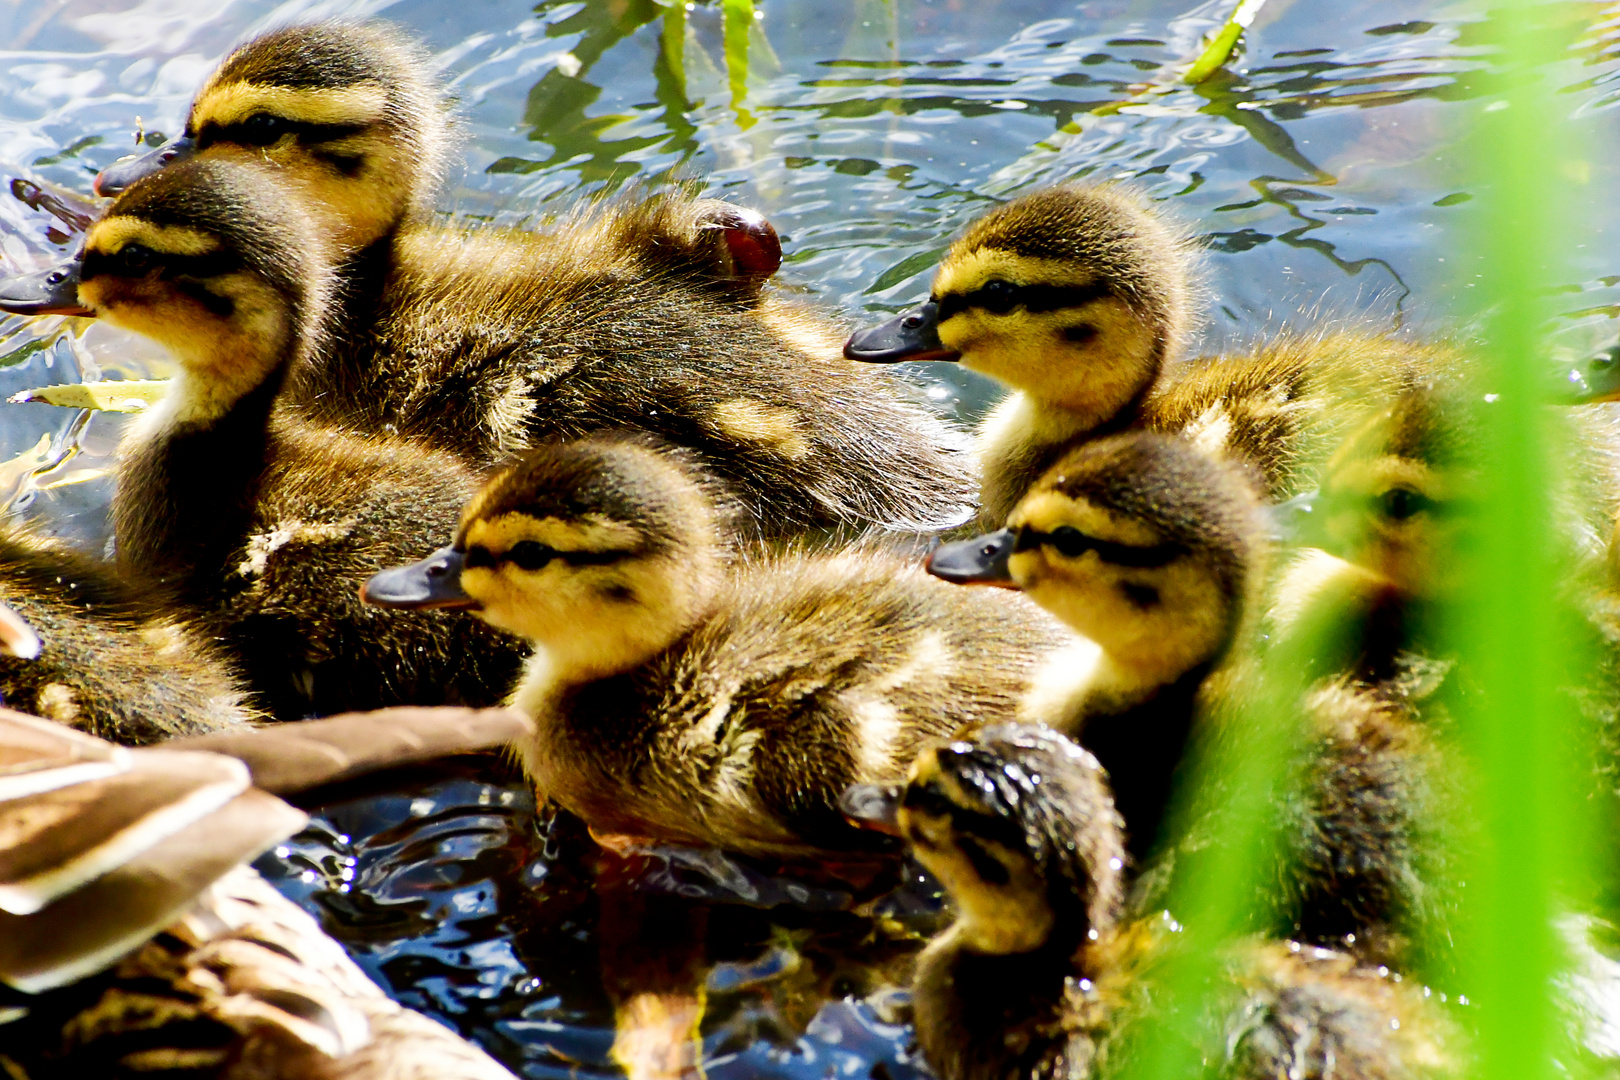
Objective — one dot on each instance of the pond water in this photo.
(1325, 171)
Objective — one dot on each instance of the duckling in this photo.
(1079, 299)
(259, 524)
(1147, 548)
(642, 313)
(1036, 978)
(691, 697)
(1372, 834)
(110, 657)
(133, 941)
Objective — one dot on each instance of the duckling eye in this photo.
(998, 296)
(262, 129)
(1398, 504)
(1069, 541)
(530, 555)
(135, 258)
(928, 800)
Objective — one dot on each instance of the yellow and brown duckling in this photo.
(1374, 831)
(1147, 548)
(110, 657)
(1078, 299)
(640, 313)
(1036, 979)
(688, 696)
(261, 525)
(133, 940)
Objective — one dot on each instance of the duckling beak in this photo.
(125, 171)
(980, 561)
(1594, 380)
(1297, 520)
(17, 638)
(910, 335)
(873, 806)
(49, 292)
(435, 582)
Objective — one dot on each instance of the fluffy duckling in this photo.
(1036, 979)
(1145, 547)
(641, 314)
(1373, 831)
(1078, 298)
(264, 526)
(110, 658)
(133, 941)
(685, 698)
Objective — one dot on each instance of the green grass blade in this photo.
(739, 23)
(1220, 47)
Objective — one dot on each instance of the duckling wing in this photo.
(114, 661)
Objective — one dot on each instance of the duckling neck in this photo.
(1085, 679)
(342, 386)
(1021, 438)
(983, 1015)
(1136, 718)
(556, 668)
(188, 478)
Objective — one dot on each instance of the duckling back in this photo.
(810, 673)
(115, 660)
(486, 342)
(640, 314)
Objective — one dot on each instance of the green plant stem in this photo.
(1220, 47)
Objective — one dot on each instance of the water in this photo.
(1324, 171)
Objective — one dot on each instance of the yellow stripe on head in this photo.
(232, 102)
(112, 234)
(969, 270)
(590, 533)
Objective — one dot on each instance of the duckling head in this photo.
(1019, 827)
(599, 552)
(345, 111)
(200, 258)
(1394, 497)
(1137, 541)
(1075, 295)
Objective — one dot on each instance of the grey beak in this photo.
(910, 335)
(980, 561)
(435, 582)
(873, 806)
(49, 292)
(122, 173)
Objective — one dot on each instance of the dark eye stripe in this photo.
(1004, 297)
(929, 799)
(305, 132)
(984, 864)
(169, 265)
(478, 555)
(1073, 543)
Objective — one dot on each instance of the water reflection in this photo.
(525, 936)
